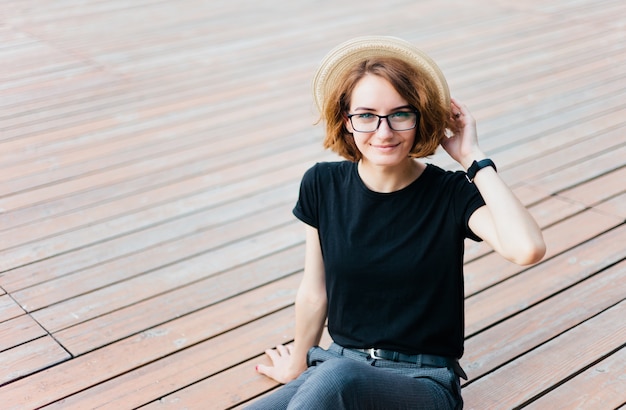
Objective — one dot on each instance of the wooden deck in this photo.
(151, 153)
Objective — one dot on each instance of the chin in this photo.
(387, 160)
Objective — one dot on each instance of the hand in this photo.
(462, 146)
(282, 369)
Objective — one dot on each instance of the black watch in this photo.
(477, 166)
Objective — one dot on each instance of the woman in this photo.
(385, 234)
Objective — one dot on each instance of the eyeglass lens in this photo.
(398, 121)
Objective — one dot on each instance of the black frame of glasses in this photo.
(386, 117)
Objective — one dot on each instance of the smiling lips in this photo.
(385, 147)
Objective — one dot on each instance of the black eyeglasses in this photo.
(397, 121)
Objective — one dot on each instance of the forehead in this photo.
(373, 91)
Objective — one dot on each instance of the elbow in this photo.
(532, 253)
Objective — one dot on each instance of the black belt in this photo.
(427, 360)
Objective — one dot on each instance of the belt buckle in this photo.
(373, 355)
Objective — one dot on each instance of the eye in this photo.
(365, 116)
(402, 115)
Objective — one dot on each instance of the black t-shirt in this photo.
(393, 261)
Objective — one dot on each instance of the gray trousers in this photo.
(340, 378)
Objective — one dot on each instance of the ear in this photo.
(348, 124)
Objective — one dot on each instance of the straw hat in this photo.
(345, 55)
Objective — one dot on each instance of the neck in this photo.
(386, 179)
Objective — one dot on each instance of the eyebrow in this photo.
(393, 110)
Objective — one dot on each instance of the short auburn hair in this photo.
(421, 94)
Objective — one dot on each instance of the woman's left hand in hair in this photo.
(504, 222)
(462, 146)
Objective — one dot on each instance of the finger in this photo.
(282, 350)
(265, 370)
(273, 354)
(459, 106)
(453, 109)
(456, 102)
(464, 110)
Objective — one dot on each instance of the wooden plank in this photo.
(526, 143)
(538, 323)
(55, 98)
(600, 386)
(29, 358)
(70, 262)
(236, 173)
(535, 128)
(205, 174)
(123, 145)
(41, 96)
(528, 195)
(147, 93)
(614, 206)
(61, 146)
(144, 95)
(579, 121)
(567, 79)
(226, 389)
(25, 60)
(553, 210)
(19, 330)
(136, 192)
(544, 280)
(177, 240)
(561, 150)
(559, 359)
(8, 308)
(546, 213)
(584, 171)
(141, 316)
(521, 59)
(599, 190)
(145, 384)
(82, 308)
(491, 269)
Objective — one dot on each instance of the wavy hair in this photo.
(420, 93)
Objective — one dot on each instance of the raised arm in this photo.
(504, 223)
(289, 361)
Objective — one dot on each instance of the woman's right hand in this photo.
(289, 361)
(282, 369)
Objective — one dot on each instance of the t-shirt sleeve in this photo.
(307, 207)
(469, 200)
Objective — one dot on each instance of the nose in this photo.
(384, 130)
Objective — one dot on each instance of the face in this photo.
(383, 147)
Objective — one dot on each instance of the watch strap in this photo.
(477, 166)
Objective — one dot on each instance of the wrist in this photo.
(470, 159)
(295, 369)
(478, 166)
(297, 364)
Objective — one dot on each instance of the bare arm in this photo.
(289, 361)
(504, 223)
